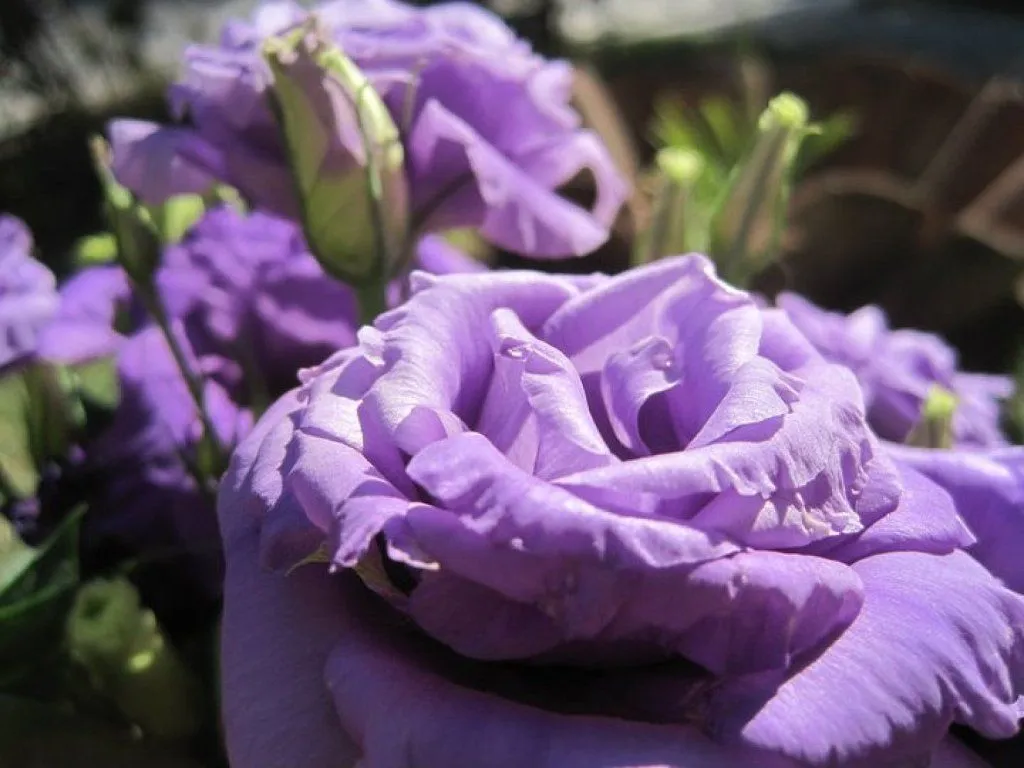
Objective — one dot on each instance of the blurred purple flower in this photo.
(256, 305)
(85, 326)
(487, 127)
(897, 369)
(254, 301)
(28, 293)
(142, 496)
(648, 474)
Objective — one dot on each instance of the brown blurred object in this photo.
(922, 211)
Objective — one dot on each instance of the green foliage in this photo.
(44, 408)
(723, 180)
(36, 590)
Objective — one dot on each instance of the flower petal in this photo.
(510, 207)
(399, 703)
(988, 490)
(937, 641)
(157, 163)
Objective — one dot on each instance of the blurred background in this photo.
(921, 209)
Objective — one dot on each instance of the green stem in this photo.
(372, 297)
(194, 384)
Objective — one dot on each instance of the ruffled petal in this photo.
(510, 207)
(399, 703)
(157, 163)
(937, 641)
(276, 634)
(535, 409)
(988, 490)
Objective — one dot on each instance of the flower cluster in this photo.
(458, 517)
(898, 369)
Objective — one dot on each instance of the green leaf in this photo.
(45, 736)
(176, 216)
(38, 415)
(97, 383)
(37, 591)
(320, 555)
(19, 474)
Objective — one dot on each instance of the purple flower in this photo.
(257, 306)
(988, 488)
(84, 327)
(579, 521)
(142, 496)
(28, 293)
(486, 124)
(897, 369)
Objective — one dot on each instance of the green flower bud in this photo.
(747, 225)
(131, 223)
(346, 158)
(121, 646)
(935, 427)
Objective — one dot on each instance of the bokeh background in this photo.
(922, 210)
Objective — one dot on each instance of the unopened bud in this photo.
(935, 427)
(121, 645)
(346, 157)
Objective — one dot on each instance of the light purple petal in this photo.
(937, 641)
(988, 490)
(157, 163)
(404, 711)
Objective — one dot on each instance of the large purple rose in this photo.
(28, 293)
(574, 522)
(897, 370)
(486, 124)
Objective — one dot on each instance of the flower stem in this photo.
(372, 296)
(192, 381)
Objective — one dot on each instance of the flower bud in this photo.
(121, 645)
(748, 223)
(135, 232)
(935, 427)
(345, 154)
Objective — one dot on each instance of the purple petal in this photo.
(157, 163)
(277, 633)
(28, 293)
(988, 490)
(510, 207)
(397, 702)
(937, 641)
